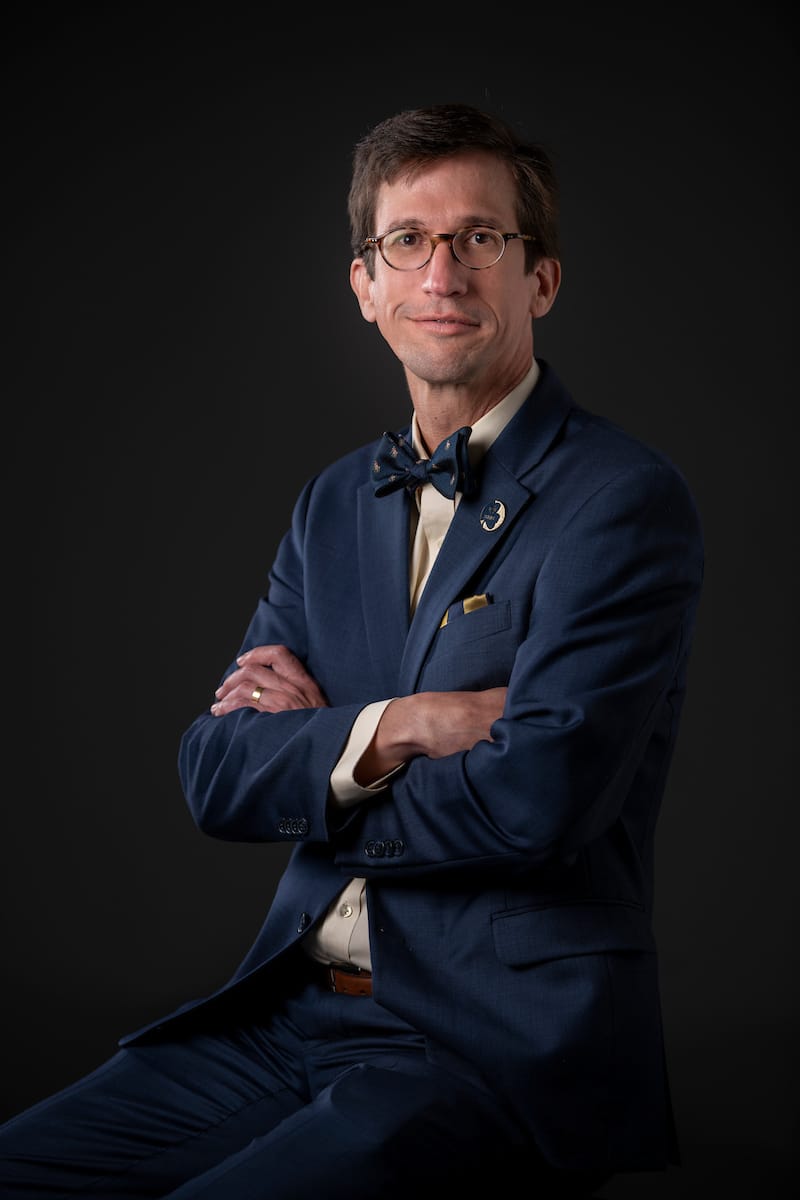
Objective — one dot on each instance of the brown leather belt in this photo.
(347, 981)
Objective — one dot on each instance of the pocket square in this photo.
(461, 607)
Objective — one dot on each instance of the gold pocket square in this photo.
(465, 606)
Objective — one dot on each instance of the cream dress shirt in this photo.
(343, 935)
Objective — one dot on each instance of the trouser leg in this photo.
(382, 1120)
(328, 1091)
(148, 1119)
(405, 1130)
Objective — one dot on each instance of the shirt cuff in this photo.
(344, 790)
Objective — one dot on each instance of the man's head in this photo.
(454, 234)
(404, 144)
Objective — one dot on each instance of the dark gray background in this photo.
(179, 311)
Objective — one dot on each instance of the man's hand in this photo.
(270, 679)
(431, 723)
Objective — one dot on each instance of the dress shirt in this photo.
(343, 935)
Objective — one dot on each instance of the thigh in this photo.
(392, 1132)
(151, 1117)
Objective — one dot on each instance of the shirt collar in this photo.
(489, 427)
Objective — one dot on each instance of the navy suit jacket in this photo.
(510, 886)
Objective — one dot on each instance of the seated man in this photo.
(458, 701)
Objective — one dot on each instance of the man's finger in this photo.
(280, 659)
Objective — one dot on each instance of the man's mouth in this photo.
(445, 320)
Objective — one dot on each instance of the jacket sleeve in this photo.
(592, 704)
(251, 776)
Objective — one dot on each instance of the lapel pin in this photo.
(492, 515)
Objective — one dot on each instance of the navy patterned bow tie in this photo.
(396, 466)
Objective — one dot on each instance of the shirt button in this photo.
(346, 910)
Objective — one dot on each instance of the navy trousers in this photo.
(329, 1097)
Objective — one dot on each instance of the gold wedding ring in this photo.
(256, 694)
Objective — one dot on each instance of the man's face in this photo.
(446, 323)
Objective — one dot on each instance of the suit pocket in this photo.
(523, 937)
(474, 650)
(470, 626)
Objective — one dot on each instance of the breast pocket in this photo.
(474, 648)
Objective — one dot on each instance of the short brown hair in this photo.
(407, 142)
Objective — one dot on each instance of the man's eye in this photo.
(408, 239)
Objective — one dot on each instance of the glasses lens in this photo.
(410, 249)
(406, 249)
(478, 247)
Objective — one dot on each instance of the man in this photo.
(458, 700)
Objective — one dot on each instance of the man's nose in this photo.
(443, 272)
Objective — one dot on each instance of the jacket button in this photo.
(293, 826)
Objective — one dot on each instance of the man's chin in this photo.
(449, 367)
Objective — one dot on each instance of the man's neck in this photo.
(440, 409)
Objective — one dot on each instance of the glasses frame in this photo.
(435, 238)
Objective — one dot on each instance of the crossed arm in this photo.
(434, 724)
(487, 776)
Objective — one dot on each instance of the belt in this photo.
(347, 981)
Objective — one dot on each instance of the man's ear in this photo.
(546, 280)
(361, 284)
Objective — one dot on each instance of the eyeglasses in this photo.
(411, 249)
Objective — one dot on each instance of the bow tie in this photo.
(395, 465)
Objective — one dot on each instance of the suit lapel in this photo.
(471, 537)
(465, 547)
(383, 535)
(397, 646)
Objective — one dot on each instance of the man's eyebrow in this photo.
(465, 223)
